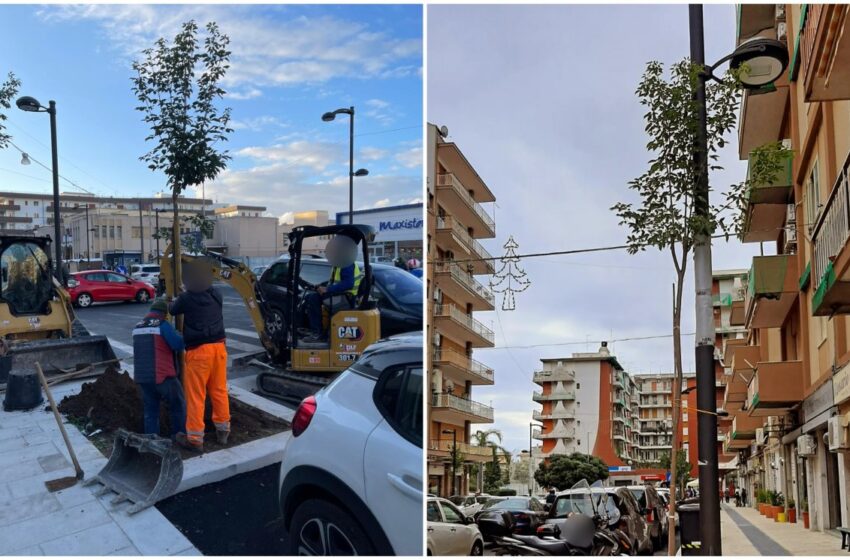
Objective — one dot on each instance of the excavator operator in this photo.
(342, 287)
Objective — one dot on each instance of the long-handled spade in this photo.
(67, 481)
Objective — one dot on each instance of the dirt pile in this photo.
(115, 401)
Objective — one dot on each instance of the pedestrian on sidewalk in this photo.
(206, 355)
(155, 344)
(744, 496)
(737, 498)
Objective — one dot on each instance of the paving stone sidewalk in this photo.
(72, 522)
(746, 533)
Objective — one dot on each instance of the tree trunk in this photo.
(177, 272)
(677, 407)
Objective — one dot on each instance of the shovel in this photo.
(67, 481)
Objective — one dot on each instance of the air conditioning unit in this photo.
(780, 12)
(781, 31)
(760, 437)
(806, 446)
(438, 339)
(438, 295)
(837, 434)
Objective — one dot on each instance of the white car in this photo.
(351, 478)
(147, 273)
(450, 532)
(471, 504)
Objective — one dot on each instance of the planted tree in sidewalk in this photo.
(178, 88)
(683, 469)
(8, 90)
(664, 215)
(493, 473)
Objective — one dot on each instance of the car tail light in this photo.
(303, 415)
(649, 516)
(521, 516)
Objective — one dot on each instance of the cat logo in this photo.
(349, 333)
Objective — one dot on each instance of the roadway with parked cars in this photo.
(633, 517)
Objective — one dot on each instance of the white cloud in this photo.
(410, 158)
(286, 218)
(383, 203)
(257, 123)
(317, 156)
(266, 51)
(372, 154)
(249, 93)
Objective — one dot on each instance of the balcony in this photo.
(456, 324)
(825, 52)
(563, 433)
(738, 314)
(559, 374)
(452, 236)
(554, 396)
(454, 281)
(753, 19)
(454, 195)
(452, 159)
(475, 453)
(729, 346)
(772, 290)
(744, 427)
(555, 414)
(457, 410)
(775, 388)
(463, 368)
(767, 203)
(830, 236)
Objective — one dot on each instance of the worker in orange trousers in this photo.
(205, 372)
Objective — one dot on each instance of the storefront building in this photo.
(398, 230)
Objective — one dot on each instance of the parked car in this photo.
(451, 532)
(652, 508)
(527, 511)
(95, 286)
(351, 478)
(398, 294)
(258, 270)
(471, 504)
(632, 521)
(148, 273)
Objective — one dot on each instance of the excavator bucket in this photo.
(57, 356)
(143, 469)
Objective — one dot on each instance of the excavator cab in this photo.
(350, 330)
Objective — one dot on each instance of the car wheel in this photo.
(275, 323)
(84, 300)
(477, 549)
(321, 528)
(142, 296)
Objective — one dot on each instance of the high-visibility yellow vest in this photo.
(336, 276)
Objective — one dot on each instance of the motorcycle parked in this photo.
(586, 531)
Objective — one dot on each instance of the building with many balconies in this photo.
(456, 221)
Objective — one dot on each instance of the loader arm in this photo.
(239, 277)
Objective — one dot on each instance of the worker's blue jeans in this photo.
(313, 303)
(171, 392)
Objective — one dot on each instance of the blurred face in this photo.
(341, 251)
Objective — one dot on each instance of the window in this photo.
(103, 231)
(813, 204)
(112, 277)
(578, 385)
(112, 232)
(35, 203)
(120, 232)
(136, 232)
(96, 277)
(434, 512)
(315, 273)
(451, 514)
(398, 395)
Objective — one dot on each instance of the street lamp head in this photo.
(361, 172)
(763, 61)
(25, 158)
(329, 116)
(29, 104)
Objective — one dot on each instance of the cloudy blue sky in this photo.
(541, 100)
(290, 64)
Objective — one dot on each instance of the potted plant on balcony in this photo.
(791, 510)
(804, 506)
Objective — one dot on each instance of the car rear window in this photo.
(640, 497)
(96, 277)
(507, 503)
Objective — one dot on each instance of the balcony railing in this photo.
(553, 415)
(447, 400)
(465, 279)
(463, 448)
(448, 310)
(564, 433)
(807, 38)
(832, 230)
(554, 375)
(473, 246)
(464, 362)
(554, 396)
(449, 180)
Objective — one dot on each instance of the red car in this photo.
(93, 286)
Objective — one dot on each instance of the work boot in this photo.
(221, 436)
(187, 443)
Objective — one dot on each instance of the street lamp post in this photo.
(454, 459)
(88, 235)
(328, 117)
(761, 61)
(141, 235)
(31, 105)
(531, 426)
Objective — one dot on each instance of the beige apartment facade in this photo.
(456, 220)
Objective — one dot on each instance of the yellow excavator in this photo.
(293, 367)
(37, 322)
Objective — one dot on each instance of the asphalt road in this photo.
(116, 321)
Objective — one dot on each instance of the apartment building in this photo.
(456, 221)
(655, 417)
(788, 392)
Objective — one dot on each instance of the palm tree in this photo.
(482, 437)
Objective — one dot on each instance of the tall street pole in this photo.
(530, 461)
(141, 235)
(88, 235)
(351, 167)
(156, 211)
(706, 402)
(57, 228)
